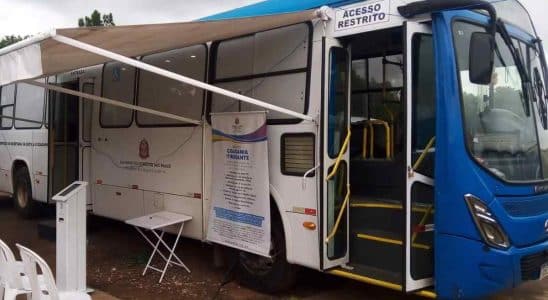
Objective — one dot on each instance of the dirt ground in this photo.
(117, 256)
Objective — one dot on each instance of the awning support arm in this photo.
(112, 102)
(177, 77)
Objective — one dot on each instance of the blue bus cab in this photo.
(491, 155)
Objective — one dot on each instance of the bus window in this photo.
(424, 104)
(167, 95)
(118, 84)
(423, 131)
(87, 109)
(336, 187)
(7, 99)
(377, 84)
(261, 65)
(29, 105)
(338, 104)
(234, 58)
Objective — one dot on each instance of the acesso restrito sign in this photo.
(364, 14)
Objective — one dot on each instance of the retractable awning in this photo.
(44, 55)
(64, 50)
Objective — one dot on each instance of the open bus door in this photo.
(86, 109)
(421, 115)
(336, 140)
(63, 139)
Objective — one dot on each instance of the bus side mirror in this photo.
(482, 57)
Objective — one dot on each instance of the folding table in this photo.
(154, 223)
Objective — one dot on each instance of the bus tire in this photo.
(267, 275)
(22, 194)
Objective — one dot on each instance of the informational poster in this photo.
(240, 210)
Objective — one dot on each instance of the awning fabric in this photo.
(43, 56)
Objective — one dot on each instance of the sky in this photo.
(27, 17)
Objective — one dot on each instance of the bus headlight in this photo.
(489, 228)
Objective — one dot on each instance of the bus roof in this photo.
(271, 7)
(511, 11)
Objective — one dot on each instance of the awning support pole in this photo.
(112, 102)
(168, 74)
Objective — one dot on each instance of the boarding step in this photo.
(385, 214)
(379, 277)
(389, 238)
(366, 202)
(385, 250)
(371, 275)
(377, 249)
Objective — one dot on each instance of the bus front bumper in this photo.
(479, 271)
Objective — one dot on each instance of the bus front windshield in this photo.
(500, 126)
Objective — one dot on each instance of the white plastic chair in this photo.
(12, 280)
(32, 262)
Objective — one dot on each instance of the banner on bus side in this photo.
(367, 13)
(240, 210)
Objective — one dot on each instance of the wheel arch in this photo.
(276, 205)
(17, 164)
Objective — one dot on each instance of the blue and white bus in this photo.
(408, 140)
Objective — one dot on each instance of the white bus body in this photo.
(173, 174)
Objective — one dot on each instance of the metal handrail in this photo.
(389, 131)
(423, 154)
(339, 217)
(340, 156)
(388, 138)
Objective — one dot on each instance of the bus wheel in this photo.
(22, 194)
(268, 275)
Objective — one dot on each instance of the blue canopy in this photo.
(271, 7)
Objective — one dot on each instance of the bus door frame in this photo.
(330, 162)
(84, 149)
(410, 29)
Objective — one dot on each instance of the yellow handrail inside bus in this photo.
(339, 217)
(391, 123)
(340, 156)
(390, 206)
(388, 134)
(423, 154)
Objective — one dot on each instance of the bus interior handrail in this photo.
(426, 150)
(339, 217)
(340, 156)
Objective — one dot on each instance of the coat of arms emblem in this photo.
(144, 149)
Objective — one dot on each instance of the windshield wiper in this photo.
(525, 80)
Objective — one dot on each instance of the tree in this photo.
(11, 39)
(96, 20)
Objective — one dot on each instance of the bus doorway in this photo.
(377, 155)
(390, 204)
(63, 110)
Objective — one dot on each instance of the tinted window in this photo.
(338, 101)
(87, 109)
(269, 66)
(7, 100)
(500, 130)
(29, 105)
(167, 95)
(118, 84)
(424, 103)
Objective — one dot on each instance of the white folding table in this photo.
(154, 223)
